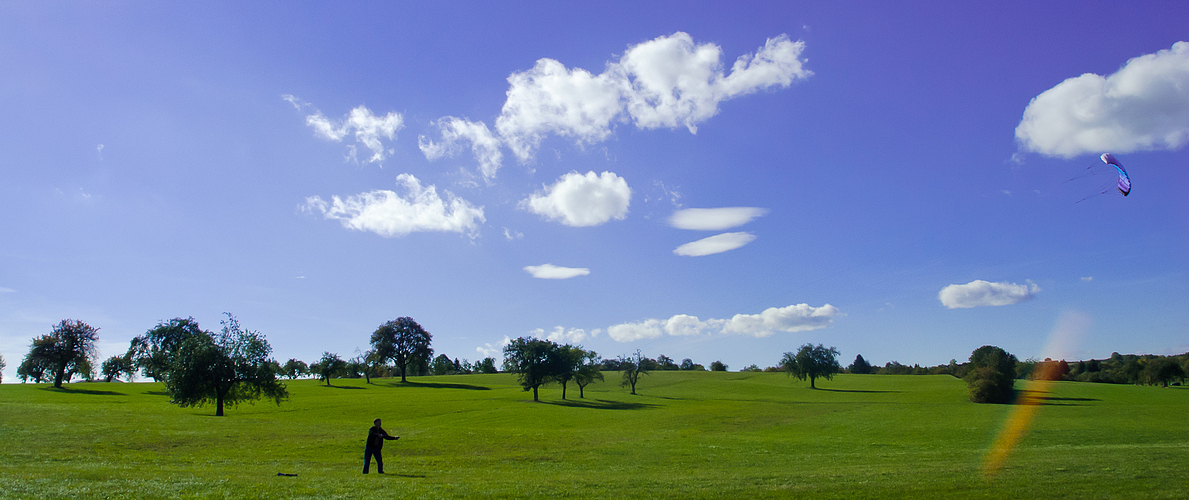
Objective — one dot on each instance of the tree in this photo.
(330, 366)
(812, 362)
(666, 363)
(992, 375)
(3, 365)
(67, 350)
(153, 352)
(632, 367)
(588, 372)
(441, 365)
(1162, 371)
(404, 342)
(536, 361)
(294, 368)
(116, 366)
(226, 368)
(860, 366)
(718, 366)
(486, 366)
(36, 362)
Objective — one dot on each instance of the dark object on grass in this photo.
(286, 475)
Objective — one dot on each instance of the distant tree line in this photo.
(1147, 369)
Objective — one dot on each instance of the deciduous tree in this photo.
(226, 368)
(294, 368)
(116, 366)
(718, 366)
(632, 367)
(588, 372)
(534, 360)
(330, 366)
(404, 342)
(67, 350)
(992, 375)
(860, 366)
(811, 362)
(153, 352)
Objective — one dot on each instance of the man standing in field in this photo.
(375, 442)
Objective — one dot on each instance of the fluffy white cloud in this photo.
(718, 243)
(714, 219)
(665, 82)
(582, 200)
(552, 272)
(685, 325)
(389, 214)
(979, 293)
(456, 131)
(563, 336)
(1143, 106)
(627, 332)
(790, 319)
(368, 128)
(493, 351)
(794, 318)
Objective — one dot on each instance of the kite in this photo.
(1124, 180)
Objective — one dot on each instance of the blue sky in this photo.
(690, 179)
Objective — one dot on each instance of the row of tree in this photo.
(1148, 369)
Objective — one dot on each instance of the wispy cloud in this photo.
(565, 336)
(6, 290)
(368, 129)
(552, 272)
(979, 293)
(457, 131)
(714, 219)
(389, 214)
(582, 200)
(488, 350)
(1143, 106)
(718, 243)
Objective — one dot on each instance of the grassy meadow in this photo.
(685, 435)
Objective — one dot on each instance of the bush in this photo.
(992, 376)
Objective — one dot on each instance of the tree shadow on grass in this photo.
(83, 391)
(440, 385)
(1031, 397)
(342, 387)
(156, 393)
(601, 404)
(852, 390)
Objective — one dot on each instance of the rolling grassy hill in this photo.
(686, 435)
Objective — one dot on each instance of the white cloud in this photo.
(368, 128)
(552, 272)
(389, 214)
(455, 131)
(714, 219)
(980, 293)
(685, 325)
(563, 336)
(493, 351)
(1142, 106)
(1087, 279)
(666, 82)
(718, 243)
(582, 200)
(6, 290)
(627, 332)
(512, 235)
(794, 318)
(790, 319)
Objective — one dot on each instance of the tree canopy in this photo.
(330, 366)
(226, 368)
(860, 366)
(404, 342)
(811, 362)
(992, 375)
(69, 349)
(116, 366)
(588, 372)
(152, 353)
(536, 362)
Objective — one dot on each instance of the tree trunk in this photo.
(811, 386)
(219, 409)
(563, 391)
(402, 373)
(580, 392)
(535, 393)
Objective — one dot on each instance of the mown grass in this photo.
(686, 435)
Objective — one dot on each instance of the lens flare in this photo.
(1065, 336)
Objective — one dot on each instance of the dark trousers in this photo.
(368, 453)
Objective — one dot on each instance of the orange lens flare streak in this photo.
(1027, 404)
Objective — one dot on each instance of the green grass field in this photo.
(686, 435)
